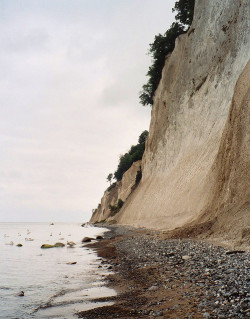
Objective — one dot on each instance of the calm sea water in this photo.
(52, 288)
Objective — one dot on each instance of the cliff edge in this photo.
(196, 167)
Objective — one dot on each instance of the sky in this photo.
(70, 76)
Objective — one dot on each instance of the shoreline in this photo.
(157, 277)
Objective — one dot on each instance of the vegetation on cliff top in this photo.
(163, 45)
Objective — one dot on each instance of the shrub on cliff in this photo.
(163, 45)
(134, 154)
(114, 209)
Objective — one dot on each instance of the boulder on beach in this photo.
(47, 246)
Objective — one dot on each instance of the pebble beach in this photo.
(158, 277)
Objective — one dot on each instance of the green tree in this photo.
(185, 11)
(142, 138)
(163, 45)
(134, 154)
(109, 177)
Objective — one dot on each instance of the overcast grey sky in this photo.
(70, 73)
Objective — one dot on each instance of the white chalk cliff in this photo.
(119, 190)
(196, 165)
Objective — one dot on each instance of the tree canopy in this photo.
(134, 154)
(163, 45)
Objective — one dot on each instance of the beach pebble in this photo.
(158, 313)
(153, 288)
(186, 257)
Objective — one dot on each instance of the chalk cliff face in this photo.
(196, 168)
(119, 190)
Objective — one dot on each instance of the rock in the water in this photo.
(47, 246)
(87, 239)
(71, 263)
(21, 294)
(59, 244)
(19, 245)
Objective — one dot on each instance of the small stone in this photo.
(175, 307)
(153, 288)
(158, 313)
(19, 245)
(186, 257)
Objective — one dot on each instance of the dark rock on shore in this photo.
(87, 239)
(99, 237)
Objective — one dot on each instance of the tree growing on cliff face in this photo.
(163, 45)
(134, 154)
(109, 178)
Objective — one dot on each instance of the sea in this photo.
(56, 282)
